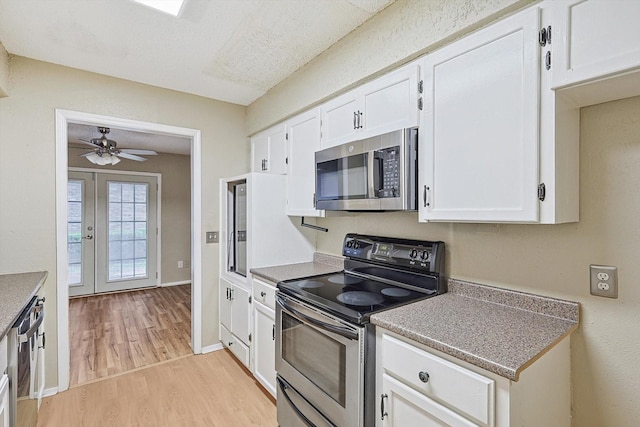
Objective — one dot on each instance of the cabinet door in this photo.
(264, 347)
(269, 150)
(406, 407)
(479, 139)
(304, 141)
(225, 303)
(391, 102)
(340, 120)
(240, 313)
(4, 401)
(594, 38)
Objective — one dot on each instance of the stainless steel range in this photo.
(325, 345)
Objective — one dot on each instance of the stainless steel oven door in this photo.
(320, 359)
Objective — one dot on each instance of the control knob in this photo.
(414, 253)
(424, 255)
(356, 245)
(350, 244)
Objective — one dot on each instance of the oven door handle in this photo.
(283, 388)
(347, 333)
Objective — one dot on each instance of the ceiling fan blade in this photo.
(131, 157)
(87, 154)
(84, 141)
(135, 151)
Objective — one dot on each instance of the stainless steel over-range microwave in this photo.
(373, 174)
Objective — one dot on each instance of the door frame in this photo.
(62, 120)
(158, 177)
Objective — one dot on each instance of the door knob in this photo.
(88, 237)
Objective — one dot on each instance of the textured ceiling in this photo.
(232, 50)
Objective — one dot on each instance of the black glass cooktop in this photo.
(350, 297)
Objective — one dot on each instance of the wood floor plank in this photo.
(114, 333)
(196, 390)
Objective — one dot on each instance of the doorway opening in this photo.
(122, 260)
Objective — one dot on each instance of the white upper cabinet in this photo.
(268, 150)
(383, 105)
(484, 155)
(598, 38)
(304, 140)
(479, 139)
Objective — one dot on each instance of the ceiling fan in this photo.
(106, 152)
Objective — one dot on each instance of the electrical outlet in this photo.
(180, 264)
(604, 280)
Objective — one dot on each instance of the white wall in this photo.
(544, 259)
(27, 165)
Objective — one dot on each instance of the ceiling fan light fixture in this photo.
(115, 159)
(172, 7)
(94, 158)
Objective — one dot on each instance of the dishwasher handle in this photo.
(24, 337)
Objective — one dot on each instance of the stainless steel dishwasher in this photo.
(26, 342)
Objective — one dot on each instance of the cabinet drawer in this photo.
(403, 406)
(3, 354)
(264, 293)
(236, 346)
(462, 390)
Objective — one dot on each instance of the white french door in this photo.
(80, 233)
(112, 232)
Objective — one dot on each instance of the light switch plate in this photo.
(212, 237)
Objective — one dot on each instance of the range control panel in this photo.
(413, 254)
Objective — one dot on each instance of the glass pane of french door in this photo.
(126, 223)
(80, 226)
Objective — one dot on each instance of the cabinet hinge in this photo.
(249, 299)
(542, 192)
(249, 337)
(156, 274)
(420, 86)
(420, 103)
(314, 200)
(544, 36)
(547, 60)
(286, 136)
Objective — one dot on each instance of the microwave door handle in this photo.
(303, 317)
(371, 174)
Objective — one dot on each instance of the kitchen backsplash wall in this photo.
(554, 260)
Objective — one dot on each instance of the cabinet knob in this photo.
(263, 294)
(230, 343)
(424, 377)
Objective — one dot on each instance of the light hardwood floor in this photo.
(196, 390)
(115, 333)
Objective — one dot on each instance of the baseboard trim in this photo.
(48, 392)
(212, 348)
(182, 282)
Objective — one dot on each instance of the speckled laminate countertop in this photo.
(499, 330)
(322, 264)
(16, 290)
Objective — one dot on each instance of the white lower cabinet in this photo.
(235, 319)
(264, 335)
(418, 386)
